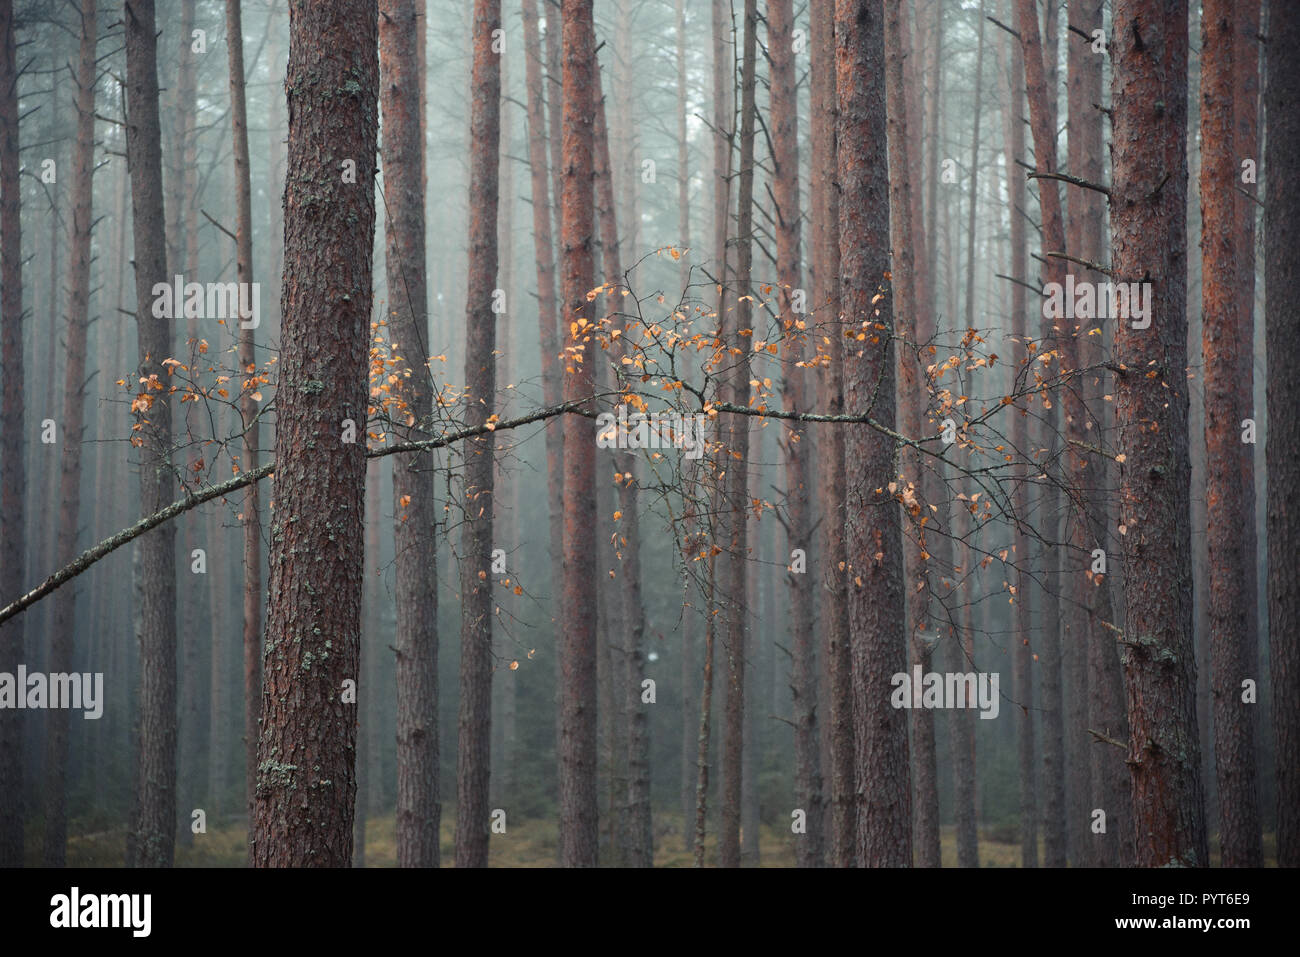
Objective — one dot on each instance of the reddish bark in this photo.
(834, 643)
(577, 751)
(474, 744)
(548, 334)
(1226, 345)
(810, 847)
(1149, 238)
(873, 539)
(306, 784)
(418, 810)
(1062, 335)
(911, 399)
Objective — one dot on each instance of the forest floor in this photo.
(530, 843)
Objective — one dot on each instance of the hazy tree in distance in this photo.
(833, 618)
(475, 729)
(577, 645)
(63, 617)
(401, 102)
(248, 406)
(810, 847)
(736, 328)
(911, 400)
(13, 475)
(1282, 281)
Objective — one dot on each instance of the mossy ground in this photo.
(529, 843)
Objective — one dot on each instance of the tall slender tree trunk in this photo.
(873, 539)
(1282, 281)
(577, 752)
(1084, 215)
(306, 785)
(183, 257)
(400, 99)
(475, 723)
(13, 472)
(609, 600)
(932, 166)
(156, 783)
(810, 847)
(736, 332)
(63, 618)
(544, 250)
(683, 144)
(1061, 334)
(911, 398)
(632, 797)
(219, 675)
(1246, 119)
(1149, 238)
(248, 408)
(367, 679)
(706, 702)
(832, 580)
(688, 677)
(1227, 351)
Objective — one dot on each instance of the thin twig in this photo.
(218, 225)
(1072, 180)
(1098, 267)
(1101, 737)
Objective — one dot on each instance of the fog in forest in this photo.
(818, 433)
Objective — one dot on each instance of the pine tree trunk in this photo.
(63, 617)
(1226, 344)
(156, 784)
(577, 699)
(833, 641)
(219, 675)
(248, 408)
(306, 786)
(873, 540)
(1246, 119)
(475, 722)
(1282, 280)
(1149, 239)
(1062, 335)
(632, 785)
(183, 256)
(416, 601)
(736, 326)
(1084, 215)
(13, 473)
(544, 250)
(810, 846)
(911, 398)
